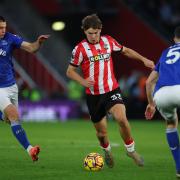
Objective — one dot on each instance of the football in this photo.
(93, 162)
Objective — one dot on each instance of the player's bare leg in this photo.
(119, 113)
(101, 132)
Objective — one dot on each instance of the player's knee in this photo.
(13, 116)
(11, 113)
(119, 118)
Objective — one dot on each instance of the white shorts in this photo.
(167, 100)
(8, 95)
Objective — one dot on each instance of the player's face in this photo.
(93, 35)
(2, 29)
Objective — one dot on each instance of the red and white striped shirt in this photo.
(96, 63)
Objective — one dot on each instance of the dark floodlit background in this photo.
(46, 94)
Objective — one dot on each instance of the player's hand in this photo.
(43, 38)
(150, 64)
(150, 111)
(88, 82)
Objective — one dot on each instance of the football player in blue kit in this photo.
(8, 87)
(163, 93)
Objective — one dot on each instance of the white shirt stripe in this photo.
(101, 73)
(110, 82)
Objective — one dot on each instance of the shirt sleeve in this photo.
(157, 67)
(16, 41)
(76, 57)
(115, 45)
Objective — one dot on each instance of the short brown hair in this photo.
(91, 21)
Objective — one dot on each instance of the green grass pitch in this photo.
(64, 146)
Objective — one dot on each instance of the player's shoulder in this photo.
(106, 36)
(8, 37)
(176, 45)
(8, 34)
(11, 36)
(79, 45)
(173, 46)
(165, 51)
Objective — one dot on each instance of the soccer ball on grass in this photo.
(93, 162)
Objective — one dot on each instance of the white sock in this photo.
(107, 149)
(130, 147)
(28, 148)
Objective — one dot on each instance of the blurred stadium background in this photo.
(45, 91)
(47, 95)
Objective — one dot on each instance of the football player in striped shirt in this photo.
(8, 87)
(163, 92)
(103, 94)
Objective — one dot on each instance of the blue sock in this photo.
(1, 116)
(173, 141)
(20, 134)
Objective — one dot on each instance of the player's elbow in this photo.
(31, 50)
(149, 83)
(29, 47)
(68, 73)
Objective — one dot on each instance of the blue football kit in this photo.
(9, 90)
(7, 78)
(7, 44)
(169, 67)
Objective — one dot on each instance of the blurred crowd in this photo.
(134, 93)
(84, 5)
(132, 87)
(165, 12)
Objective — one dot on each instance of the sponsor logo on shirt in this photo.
(100, 57)
(2, 52)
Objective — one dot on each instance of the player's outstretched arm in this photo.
(135, 55)
(150, 84)
(34, 46)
